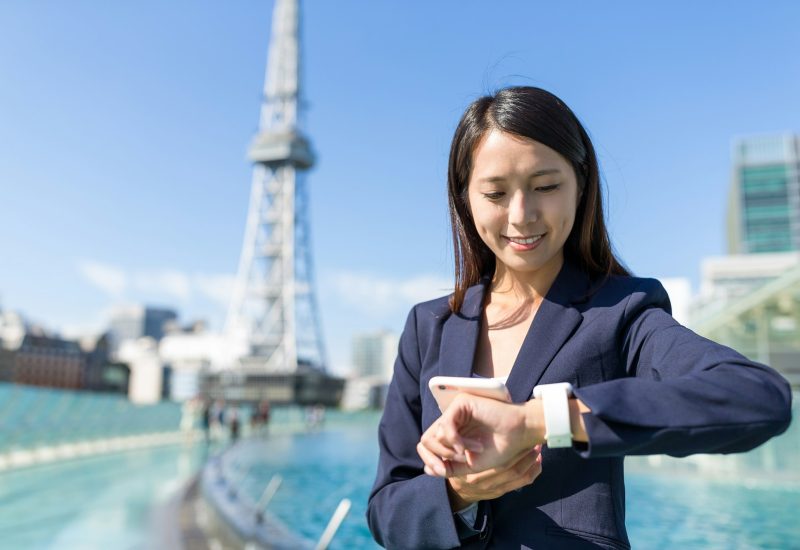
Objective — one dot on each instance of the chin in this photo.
(521, 266)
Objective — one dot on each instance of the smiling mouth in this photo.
(525, 240)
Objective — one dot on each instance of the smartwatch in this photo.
(558, 430)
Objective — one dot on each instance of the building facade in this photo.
(764, 202)
(374, 354)
(43, 360)
(135, 322)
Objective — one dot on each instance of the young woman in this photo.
(540, 300)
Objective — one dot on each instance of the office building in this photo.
(131, 323)
(764, 202)
(374, 354)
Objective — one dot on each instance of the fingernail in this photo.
(428, 470)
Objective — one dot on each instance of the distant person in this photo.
(188, 418)
(233, 423)
(206, 421)
(259, 420)
(218, 419)
(541, 301)
(315, 417)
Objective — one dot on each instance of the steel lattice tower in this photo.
(274, 308)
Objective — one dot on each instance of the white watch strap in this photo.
(558, 430)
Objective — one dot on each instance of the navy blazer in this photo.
(653, 387)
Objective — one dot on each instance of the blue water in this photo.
(108, 501)
(318, 470)
(665, 511)
(665, 508)
(92, 503)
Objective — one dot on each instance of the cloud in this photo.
(218, 288)
(380, 295)
(171, 282)
(109, 279)
(143, 284)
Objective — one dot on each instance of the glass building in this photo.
(750, 299)
(764, 207)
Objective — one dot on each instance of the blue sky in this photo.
(124, 127)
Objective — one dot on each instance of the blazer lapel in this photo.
(460, 334)
(554, 323)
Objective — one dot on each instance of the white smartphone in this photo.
(445, 388)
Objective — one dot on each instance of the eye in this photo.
(548, 188)
(494, 195)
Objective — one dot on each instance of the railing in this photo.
(223, 482)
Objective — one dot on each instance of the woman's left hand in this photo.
(475, 434)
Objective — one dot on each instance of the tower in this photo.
(273, 309)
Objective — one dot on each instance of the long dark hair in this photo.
(541, 116)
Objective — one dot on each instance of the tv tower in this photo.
(273, 309)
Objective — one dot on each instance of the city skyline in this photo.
(126, 130)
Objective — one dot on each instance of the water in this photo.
(100, 502)
(666, 508)
(108, 501)
(665, 511)
(318, 469)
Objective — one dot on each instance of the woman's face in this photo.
(523, 197)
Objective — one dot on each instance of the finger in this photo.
(455, 418)
(533, 472)
(523, 464)
(519, 469)
(461, 469)
(472, 444)
(523, 480)
(447, 433)
(434, 466)
(433, 443)
(480, 479)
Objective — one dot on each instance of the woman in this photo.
(541, 299)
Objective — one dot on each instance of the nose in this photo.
(522, 209)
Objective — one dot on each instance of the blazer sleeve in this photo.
(407, 508)
(683, 393)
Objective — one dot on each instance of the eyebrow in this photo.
(538, 173)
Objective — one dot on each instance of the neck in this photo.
(526, 285)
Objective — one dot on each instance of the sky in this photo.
(124, 128)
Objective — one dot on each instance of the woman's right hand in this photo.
(495, 482)
(477, 434)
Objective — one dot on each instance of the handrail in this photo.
(333, 525)
(269, 492)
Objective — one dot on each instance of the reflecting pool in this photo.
(740, 501)
(670, 503)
